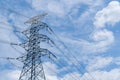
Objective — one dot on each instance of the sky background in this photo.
(89, 28)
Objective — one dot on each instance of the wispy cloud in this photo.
(98, 63)
(70, 19)
(108, 15)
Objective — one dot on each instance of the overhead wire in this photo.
(68, 71)
(10, 62)
(11, 43)
(22, 53)
(76, 67)
(3, 23)
(69, 52)
(51, 29)
(19, 51)
(61, 64)
(67, 58)
(9, 9)
(13, 11)
(7, 42)
(54, 70)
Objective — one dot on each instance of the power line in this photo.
(52, 69)
(67, 58)
(3, 23)
(66, 68)
(69, 51)
(49, 29)
(10, 62)
(72, 75)
(53, 32)
(61, 64)
(34, 69)
(12, 44)
(56, 46)
(14, 11)
(62, 52)
(68, 71)
(7, 42)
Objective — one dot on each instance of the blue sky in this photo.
(90, 29)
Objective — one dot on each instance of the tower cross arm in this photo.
(36, 18)
(46, 52)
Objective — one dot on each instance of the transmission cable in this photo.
(56, 47)
(14, 11)
(52, 69)
(9, 60)
(50, 28)
(68, 58)
(68, 71)
(3, 23)
(63, 51)
(68, 51)
(11, 43)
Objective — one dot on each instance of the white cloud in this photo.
(58, 8)
(98, 63)
(6, 49)
(71, 76)
(70, 4)
(9, 74)
(50, 68)
(103, 35)
(52, 7)
(50, 77)
(14, 74)
(108, 15)
(114, 74)
(102, 40)
(117, 60)
(50, 71)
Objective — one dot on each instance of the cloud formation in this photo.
(108, 15)
(103, 38)
(100, 40)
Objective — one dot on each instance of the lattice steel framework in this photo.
(33, 69)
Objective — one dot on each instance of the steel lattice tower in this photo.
(33, 68)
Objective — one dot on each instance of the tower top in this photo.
(36, 18)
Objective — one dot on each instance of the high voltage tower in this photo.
(32, 61)
(33, 68)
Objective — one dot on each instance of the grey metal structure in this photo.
(33, 68)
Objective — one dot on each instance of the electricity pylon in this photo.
(33, 68)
